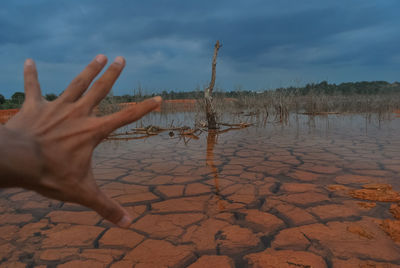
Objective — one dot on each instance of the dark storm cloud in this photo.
(170, 42)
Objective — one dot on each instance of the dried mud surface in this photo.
(252, 198)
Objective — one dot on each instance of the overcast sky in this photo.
(168, 44)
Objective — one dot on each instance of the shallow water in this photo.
(277, 195)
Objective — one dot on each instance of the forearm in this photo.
(20, 164)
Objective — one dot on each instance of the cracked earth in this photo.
(251, 198)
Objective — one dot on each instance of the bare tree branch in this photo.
(210, 112)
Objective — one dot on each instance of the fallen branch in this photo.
(319, 113)
(128, 138)
(240, 125)
(184, 132)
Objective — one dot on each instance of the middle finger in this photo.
(103, 85)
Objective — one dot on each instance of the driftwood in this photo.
(183, 132)
(154, 130)
(240, 125)
(319, 113)
(190, 131)
(128, 138)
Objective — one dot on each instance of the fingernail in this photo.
(119, 60)
(101, 59)
(29, 62)
(157, 99)
(125, 222)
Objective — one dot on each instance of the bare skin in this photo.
(48, 146)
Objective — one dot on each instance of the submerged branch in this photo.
(183, 132)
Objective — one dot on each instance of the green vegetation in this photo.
(315, 98)
(323, 88)
(50, 97)
(17, 99)
(364, 88)
(15, 102)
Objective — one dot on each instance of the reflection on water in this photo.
(211, 141)
(315, 192)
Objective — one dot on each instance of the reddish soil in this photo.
(376, 192)
(5, 115)
(242, 200)
(179, 105)
(175, 105)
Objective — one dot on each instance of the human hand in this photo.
(64, 134)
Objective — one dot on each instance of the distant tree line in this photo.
(322, 88)
(350, 88)
(18, 98)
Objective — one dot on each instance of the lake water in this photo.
(314, 192)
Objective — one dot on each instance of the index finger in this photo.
(129, 115)
(31, 83)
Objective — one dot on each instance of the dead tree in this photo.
(210, 112)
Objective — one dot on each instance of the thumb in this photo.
(110, 210)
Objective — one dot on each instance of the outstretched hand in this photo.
(63, 134)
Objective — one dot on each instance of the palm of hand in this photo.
(66, 132)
